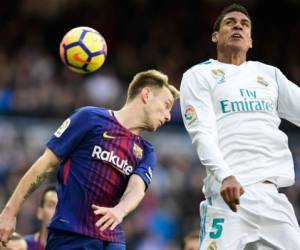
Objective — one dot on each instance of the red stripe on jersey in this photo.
(67, 167)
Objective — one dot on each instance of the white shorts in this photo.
(265, 220)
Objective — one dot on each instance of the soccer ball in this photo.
(83, 50)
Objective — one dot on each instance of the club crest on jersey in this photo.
(138, 151)
(219, 75)
(62, 128)
(190, 114)
(212, 246)
(262, 81)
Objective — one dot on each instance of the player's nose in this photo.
(168, 116)
(238, 26)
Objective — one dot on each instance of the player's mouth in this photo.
(236, 36)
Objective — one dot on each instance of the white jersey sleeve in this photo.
(200, 121)
(288, 99)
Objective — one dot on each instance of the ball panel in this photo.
(93, 41)
(96, 62)
(76, 57)
(72, 36)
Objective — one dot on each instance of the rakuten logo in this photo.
(114, 160)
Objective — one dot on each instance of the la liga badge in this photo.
(190, 114)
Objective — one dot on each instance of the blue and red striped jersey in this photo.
(98, 157)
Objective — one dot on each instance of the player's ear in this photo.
(214, 37)
(251, 43)
(145, 94)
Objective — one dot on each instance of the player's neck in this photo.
(42, 235)
(236, 58)
(128, 117)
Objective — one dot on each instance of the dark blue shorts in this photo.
(63, 240)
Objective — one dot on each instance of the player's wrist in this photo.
(121, 211)
(9, 212)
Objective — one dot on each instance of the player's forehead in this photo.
(236, 15)
(50, 196)
(167, 95)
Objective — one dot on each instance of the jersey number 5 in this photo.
(218, 228)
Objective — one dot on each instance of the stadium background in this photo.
(37, 92)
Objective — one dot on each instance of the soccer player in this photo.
(45, 212)
(232, 108)
(191, 241)
(105, 167)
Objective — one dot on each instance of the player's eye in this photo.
(246, 24)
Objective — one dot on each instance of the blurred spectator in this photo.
(45, 211)
(104, 90)
(191, 241)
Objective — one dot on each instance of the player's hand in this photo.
(7, 227)
(231, 191)
(111, 217)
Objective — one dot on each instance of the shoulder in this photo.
(262, 66)
(91, 112)
(148, 148)
(148, 145)
(201, 67)
(149, 154)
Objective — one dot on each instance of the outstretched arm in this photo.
(32, 179)
(112, 216)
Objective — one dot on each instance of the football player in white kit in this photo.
(232, 109)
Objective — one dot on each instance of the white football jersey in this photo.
(232, 114)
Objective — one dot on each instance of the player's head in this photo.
(156, 97)
(232, 29)
(47, 205)
(16, 242)
(191, 241)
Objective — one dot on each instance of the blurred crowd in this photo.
(37, 92)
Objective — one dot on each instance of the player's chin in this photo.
(237, 46)
(152, 128)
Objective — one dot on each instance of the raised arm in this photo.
(32, 179)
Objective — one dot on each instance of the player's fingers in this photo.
(233, 206)
(102, 220)
(94, 206)
(225, 196)
(230, 192)
(113, 226)
(242, 191)
(4, 239)
(107, 224)
(100, 210)
(236, 196)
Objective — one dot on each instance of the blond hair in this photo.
(151, 78)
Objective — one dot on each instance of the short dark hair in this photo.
(48, 189)
(231, 8)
